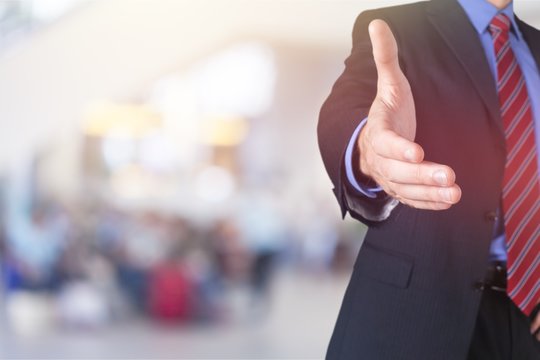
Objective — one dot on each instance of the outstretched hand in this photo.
(388, 153)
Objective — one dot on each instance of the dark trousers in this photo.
(502, 331)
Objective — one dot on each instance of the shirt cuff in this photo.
(370, 192)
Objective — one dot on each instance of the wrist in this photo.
(359, 159)
(360, 165)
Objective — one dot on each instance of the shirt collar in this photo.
(481, 12)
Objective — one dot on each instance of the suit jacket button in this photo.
(491, 216)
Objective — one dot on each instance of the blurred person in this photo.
(35, 247)
(142, 246)
(207, 306)
(81, 304)
(233, 261)
(90, 297)
(232, 257)
(109, 229)
(319, 242)
(264, 232)
(343, 255)
(455, 82)
(3, 244)
(171, 295)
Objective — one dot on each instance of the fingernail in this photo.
(446, 195)
(409, 154)
(440, 177)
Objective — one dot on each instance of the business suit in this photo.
(413, 292)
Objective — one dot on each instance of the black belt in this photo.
(495, 278)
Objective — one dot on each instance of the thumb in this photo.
(385, 53)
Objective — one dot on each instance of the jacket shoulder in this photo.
(398, 17)
(395, 13)
(528, 29)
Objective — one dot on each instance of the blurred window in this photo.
(20, 18)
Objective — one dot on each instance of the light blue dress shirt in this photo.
(481, 12)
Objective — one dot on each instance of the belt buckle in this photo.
(497, 278)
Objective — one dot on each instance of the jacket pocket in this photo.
(385, 266)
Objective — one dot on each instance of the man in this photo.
(446, 271)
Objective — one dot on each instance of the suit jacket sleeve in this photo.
(347, 105)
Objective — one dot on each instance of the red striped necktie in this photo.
(521, 184)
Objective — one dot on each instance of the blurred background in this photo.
(161, 190)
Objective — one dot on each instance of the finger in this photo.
(447, 195)
(390, 145)
(385, 52)
(535, 325)
(425, 173)
(426, 205)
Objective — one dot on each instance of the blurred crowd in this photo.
(88, 266)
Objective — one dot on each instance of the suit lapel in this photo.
(532, 37)
(454, 26)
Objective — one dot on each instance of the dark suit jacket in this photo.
(412, 294)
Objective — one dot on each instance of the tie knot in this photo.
(500, 23)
